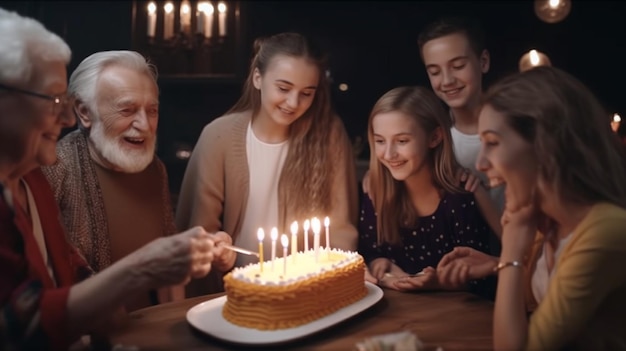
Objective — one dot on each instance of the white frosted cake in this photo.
(308, 289)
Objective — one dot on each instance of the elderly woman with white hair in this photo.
(49, 296)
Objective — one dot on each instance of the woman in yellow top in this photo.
(547, 137)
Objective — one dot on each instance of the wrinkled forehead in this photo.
(118, 82)
(48, 77)
(123, 75)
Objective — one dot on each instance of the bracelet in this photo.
(502, 265)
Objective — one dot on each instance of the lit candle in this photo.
(260, 234)
(168, 23)
(294, 240)
(285, 241)
(152, 19)
(185, 17)
(221, 9)
(306, 226)
(208, 23)
(326, 224)
(274, 236)
(316, 226)
(200, 17)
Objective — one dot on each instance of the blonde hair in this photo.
(390, 198)
(307, 173)
(576, 151)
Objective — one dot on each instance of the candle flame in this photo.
(260, 234)
(316, 225)
(326, 221)
(617, 118)
(284, 240)
(184, 9)
(169, 7)
(294, 228)
(306, 225)
(207, 7)
(152, 7)
(274, 234)
(221, 7)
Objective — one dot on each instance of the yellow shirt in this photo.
(585, 305)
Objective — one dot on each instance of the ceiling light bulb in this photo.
(552, 11)
(533, 58)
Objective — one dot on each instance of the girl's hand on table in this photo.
(424, 280)
(379, 267)
(462, 264)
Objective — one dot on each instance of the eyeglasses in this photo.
(59, 102)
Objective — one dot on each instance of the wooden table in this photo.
(452, 320)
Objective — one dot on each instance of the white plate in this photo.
(207, 317)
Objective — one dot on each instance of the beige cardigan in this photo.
(215, 187)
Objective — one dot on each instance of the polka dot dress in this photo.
(457, 221)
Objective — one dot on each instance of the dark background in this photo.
(372, 44)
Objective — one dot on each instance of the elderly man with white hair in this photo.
(111, 187)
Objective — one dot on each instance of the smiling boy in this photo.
(454, 54)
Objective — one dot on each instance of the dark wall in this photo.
(87, 26)
(372, 45)
(187, 105)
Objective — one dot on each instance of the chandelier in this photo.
(186, 37)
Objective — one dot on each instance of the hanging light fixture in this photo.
(617, 119)
(532, 59)
(552, 11)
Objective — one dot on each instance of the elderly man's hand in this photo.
(224, 258)
(175, 259)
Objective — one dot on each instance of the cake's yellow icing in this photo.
(311, 289)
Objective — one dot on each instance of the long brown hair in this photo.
(390, 197)
(577, 152)
(307, 172)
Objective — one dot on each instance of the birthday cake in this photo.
(273, 296)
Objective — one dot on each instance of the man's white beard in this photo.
(127, 160)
